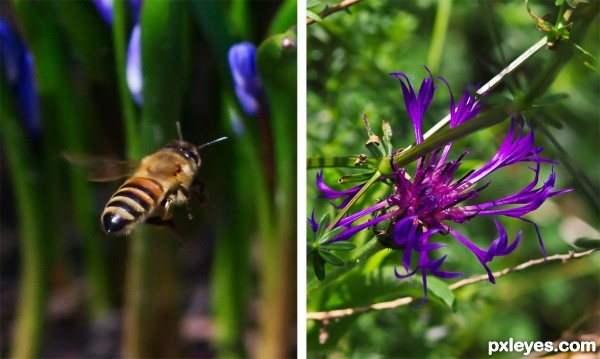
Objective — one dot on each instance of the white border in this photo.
(301, 179)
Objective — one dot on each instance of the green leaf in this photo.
(313, 16)
(348, 161)
(440, 290)
(331, 258)
(90, 37)
(285, 17)
(311, 3)
(323, 223)
(164, 42)
(276, 62)
(587, 243)
(551, 100)
(359, 177)
(318, 265)
(216, 29)
(339, 246)
(331, 235)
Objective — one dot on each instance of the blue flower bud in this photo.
(16, 64)
(242, 62)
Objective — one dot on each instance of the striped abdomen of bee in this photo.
(163, 179)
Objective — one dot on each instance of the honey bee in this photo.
(161, 180)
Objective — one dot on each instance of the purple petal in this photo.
(105, 8)
(416, 105)
(313, 224)
(135, 79)
(329, 193)
(17, 65)
(528, 199)
(136, 9)
(242, 63)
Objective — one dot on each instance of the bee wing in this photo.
(102, 169)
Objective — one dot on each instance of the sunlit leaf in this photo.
(339, 246)
(440, 289)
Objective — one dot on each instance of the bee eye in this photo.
(189, 155)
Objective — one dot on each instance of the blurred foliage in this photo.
(350, 54)
(70, 290)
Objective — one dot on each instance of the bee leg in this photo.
(166, 204)
(164, 223)
(198, 188)
(186, 194)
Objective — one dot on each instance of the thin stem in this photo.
(494, 81)
(120, 40)
(580, 177)
(33, 286)
(345, 210)
(330, 9)
(438, 38)
(339, 313)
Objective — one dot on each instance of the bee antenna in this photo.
(178, 125)
(212, 142)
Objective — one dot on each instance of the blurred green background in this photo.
(217, 290)
(350, 55)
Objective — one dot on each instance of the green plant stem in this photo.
(231, 278)
(360, 256)
(62, 109)
(362, 191)
(121, 32)
(152, 298)
(151, 323)
(33, 287)
(232, 248)
(68, 108)
(438, 38)
(277, 68)
(580, 177)
(493, 82)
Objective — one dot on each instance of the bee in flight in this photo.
(161, 180)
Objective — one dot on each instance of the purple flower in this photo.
(16, 64)
(134, 49)
(429, 200)
(248, 89)
(135, 80)
(105, 8)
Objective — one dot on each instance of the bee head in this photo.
(186, 149)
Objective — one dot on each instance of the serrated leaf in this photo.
(339, 246)
(587, 243)
(318, 266)
(331, 258)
